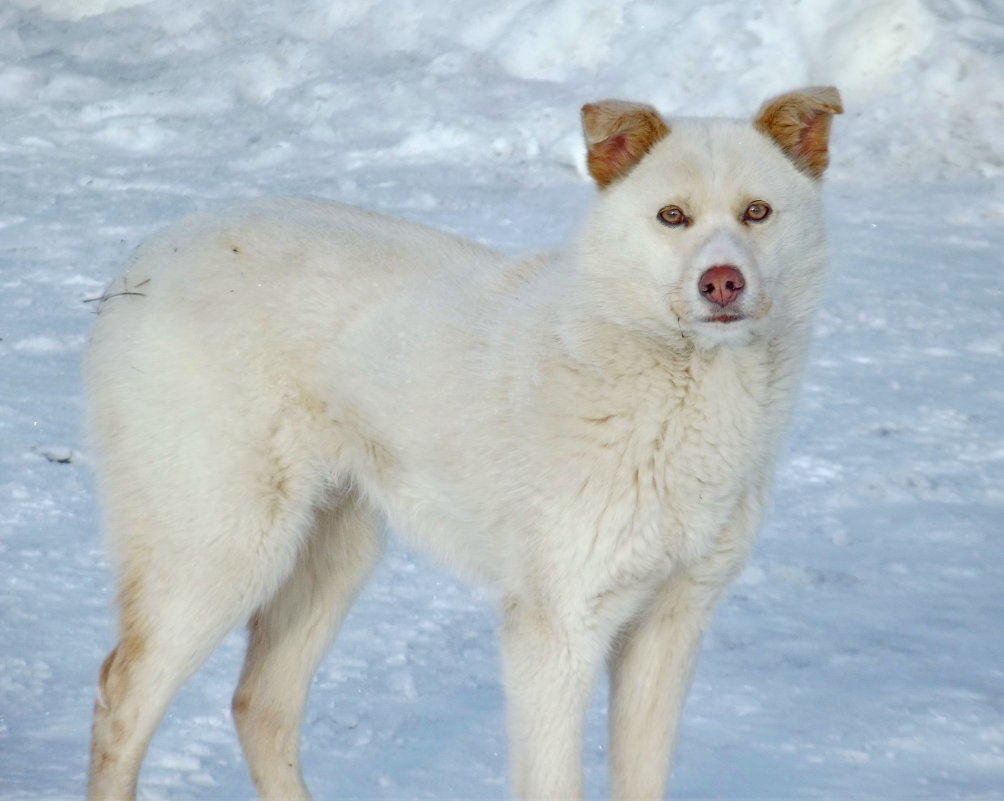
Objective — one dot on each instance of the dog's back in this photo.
(592, 432)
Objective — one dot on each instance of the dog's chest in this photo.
(669, 466)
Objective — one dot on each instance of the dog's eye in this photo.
(757, 211)
(673, 216)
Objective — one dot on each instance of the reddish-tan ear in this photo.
(618, 134)
(800, 123)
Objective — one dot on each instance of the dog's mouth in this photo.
(732, 319)
(725, 318)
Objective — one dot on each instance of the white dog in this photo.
(590, 432)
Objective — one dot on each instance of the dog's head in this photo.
(707, 229)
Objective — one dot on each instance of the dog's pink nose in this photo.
(722, 284)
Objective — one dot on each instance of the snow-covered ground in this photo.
(861, 654)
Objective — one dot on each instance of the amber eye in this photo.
(757, 211)
(673, 216)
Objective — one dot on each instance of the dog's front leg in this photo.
(650, 674)
(551, 662)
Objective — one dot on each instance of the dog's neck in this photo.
(603, 346)
(650, 370)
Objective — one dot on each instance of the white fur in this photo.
(269, 385)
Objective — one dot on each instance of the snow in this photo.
(860, 655)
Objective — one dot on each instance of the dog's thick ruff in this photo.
(591, 432)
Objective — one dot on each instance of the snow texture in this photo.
(860, 655)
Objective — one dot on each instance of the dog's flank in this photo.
(590, 432)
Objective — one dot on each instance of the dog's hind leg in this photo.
(171, 620)
(290, 634)
(196, 559)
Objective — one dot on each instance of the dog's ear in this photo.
(800, 123)
(618, 134)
